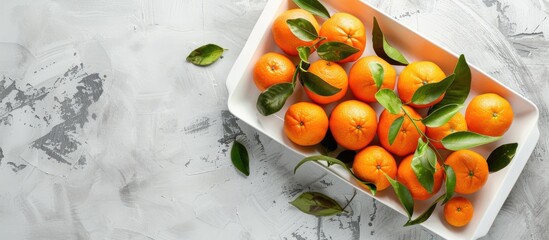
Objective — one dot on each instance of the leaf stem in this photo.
(428, 139)
(320, 38)
(414, 122)
(349, 201)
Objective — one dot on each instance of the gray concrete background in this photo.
(107, 133)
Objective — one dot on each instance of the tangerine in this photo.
(353, 124)
(333, 74)
(345, 28)
(361, 81)
(305, 123)
(272, 68)
(284, 37)
(372, 163)
(414, 76)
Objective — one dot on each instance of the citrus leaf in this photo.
(501, 156)
(389, 100)
(239, 157)
(315, 84)
(425, 215)
(205, 55)
(432, 91)
(377, 73)
(424, 165)
(383, 49)
(442, 115)
(347, 156)
(464, 140)
(394, 129)
(296, 74)
(459, 90)
(304, 53)
(403, 195)
(317, 204)
(331, 161)
(273, 98)
(329, 143)
(302, 29)
(314, 7)
(335, 51)
(450, 183)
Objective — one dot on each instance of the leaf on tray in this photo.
(377, 73)
(304, 53)
(450, 183)
(335, 51)
(459, 90)
(425, 215)
(314, 7)
(273, 98)
(317, 85)
(389, 100)
(395, 129)
(302, 29)
(432, 91)
(403, 195)
(465, 139)
(423, 164)
(442, 115)
(383, 49)
(501, 156)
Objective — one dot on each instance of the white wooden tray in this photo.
(487, 202)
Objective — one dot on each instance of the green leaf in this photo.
(394, 129)
(331, 161)
(347, 156)
(335, 51)
(304, 53)
(425, 215)
(317, 204)
(383, 49)
(296, 74)
(403, 195)
(424, 165)
(464, 140)
(377, 73)
(302, 29)
(205, 55)
(314, 7)
(432, 91)
(501, 156)
(389, 100)
(329, 143)
(459, 90)
(239, 157)
(315, 84)
(450, 183)
(273, 98)
(442, 115)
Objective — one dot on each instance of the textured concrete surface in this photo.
(107, 133)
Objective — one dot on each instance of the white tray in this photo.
(487, 202)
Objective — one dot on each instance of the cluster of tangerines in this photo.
(354, 123)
